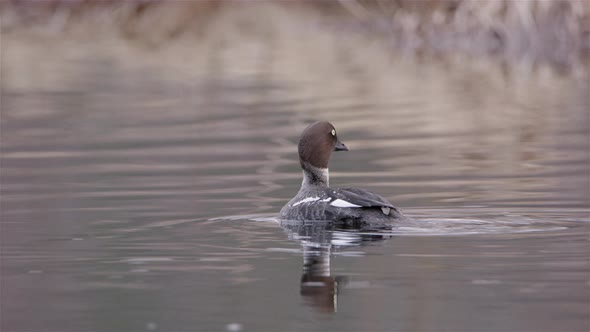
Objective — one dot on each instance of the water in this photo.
(140, 186)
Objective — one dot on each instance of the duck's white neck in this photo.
(315, 176)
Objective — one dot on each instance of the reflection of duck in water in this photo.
(316, 201)
(318, 287)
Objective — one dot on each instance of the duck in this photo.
(317, 201)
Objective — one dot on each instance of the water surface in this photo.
(140, 189)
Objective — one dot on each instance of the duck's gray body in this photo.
(376, 211)
(317, 201)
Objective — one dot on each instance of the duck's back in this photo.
(342, 205)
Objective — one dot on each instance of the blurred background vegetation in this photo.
(536, 31)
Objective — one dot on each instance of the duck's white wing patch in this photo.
(343, 204)
(305, 200)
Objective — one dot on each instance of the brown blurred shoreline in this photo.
(547, 32)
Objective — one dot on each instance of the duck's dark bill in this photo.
(340, 147)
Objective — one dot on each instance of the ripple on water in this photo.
(436, 222)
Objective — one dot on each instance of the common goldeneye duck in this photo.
(317, 201)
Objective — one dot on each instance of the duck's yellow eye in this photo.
(333, 132)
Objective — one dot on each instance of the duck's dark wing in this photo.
(353, 197)
(358, 206)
